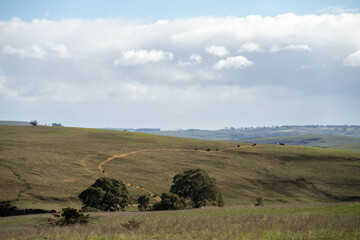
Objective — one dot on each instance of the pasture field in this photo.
(299, 221)
(47, 167)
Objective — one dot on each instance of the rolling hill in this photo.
(233, 134)
(47, 167)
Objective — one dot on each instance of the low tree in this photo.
(170, 201)
(259, 201)
(197, 186)
(69, 216)
(144, 203)
(105, 194)
(34, 122)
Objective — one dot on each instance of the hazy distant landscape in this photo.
(330, 136)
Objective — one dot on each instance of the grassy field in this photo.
(302, 221)
(328, 141)
(47, 167)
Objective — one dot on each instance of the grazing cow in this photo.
(280, 143)
(208, 150)
(217, 149)
(195, 148)
(254, 145)
(103, 171)
(238, 145)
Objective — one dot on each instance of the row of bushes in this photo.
(191, 189)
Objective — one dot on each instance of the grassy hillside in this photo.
(329, 141)
(47, 167)
(309, 221)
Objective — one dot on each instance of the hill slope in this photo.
(47, 167)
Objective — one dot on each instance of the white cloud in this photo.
(5, 90)
(219, 51)
(33, 51)
(299, 47)
(138, 57)
(60, 49)
(196, 58)
(353, 60)
(250, 47)
(296, 47)
(337, 10)
(237, 62)
(192, 60)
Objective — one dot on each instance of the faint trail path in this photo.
(21, 179)
(150, 194)
(83, 162)
(100, 166)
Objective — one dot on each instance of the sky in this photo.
(180, 64)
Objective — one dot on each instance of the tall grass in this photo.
(340, 221)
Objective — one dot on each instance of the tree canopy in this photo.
(106, 194)
(199, 187)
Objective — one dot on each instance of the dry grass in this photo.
(327, 221)
(44, 167)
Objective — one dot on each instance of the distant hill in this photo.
(332, 136)
(15, 123)
(327, 141)
(231, 133)
(47, 167)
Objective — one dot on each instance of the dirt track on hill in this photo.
(157, 150)
(150, 194)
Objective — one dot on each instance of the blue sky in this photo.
(160, 9)
(184, 65)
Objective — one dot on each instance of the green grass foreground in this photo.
(310, 221)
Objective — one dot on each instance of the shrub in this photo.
(34, 122)
(132, 224)
(106, 194)
(170, 201)
(143, 201)
(89, 209)
(197, 186)
(71, 216)
(259, 201)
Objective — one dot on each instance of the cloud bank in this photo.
(175, 69)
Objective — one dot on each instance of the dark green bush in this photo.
(259, 201)
(106, 194)
(144, 203)
(70, 216)
(170, 201)
(197, 186)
